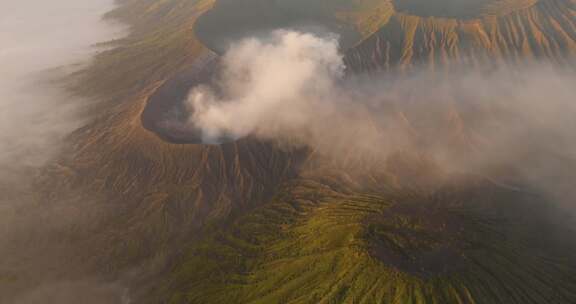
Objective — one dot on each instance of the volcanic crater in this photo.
(167, 114)
(407, 33)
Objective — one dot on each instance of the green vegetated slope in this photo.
(237, 222)
(313, 243)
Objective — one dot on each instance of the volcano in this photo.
(245, 220)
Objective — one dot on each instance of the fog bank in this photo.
(41, 43)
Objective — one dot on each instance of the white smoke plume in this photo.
(288, 75)
(290, 87)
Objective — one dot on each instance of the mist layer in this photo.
(41, 44)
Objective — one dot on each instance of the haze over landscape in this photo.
(354, 151)
(41, 44)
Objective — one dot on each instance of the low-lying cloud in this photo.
(291, 87)
(41, 44)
